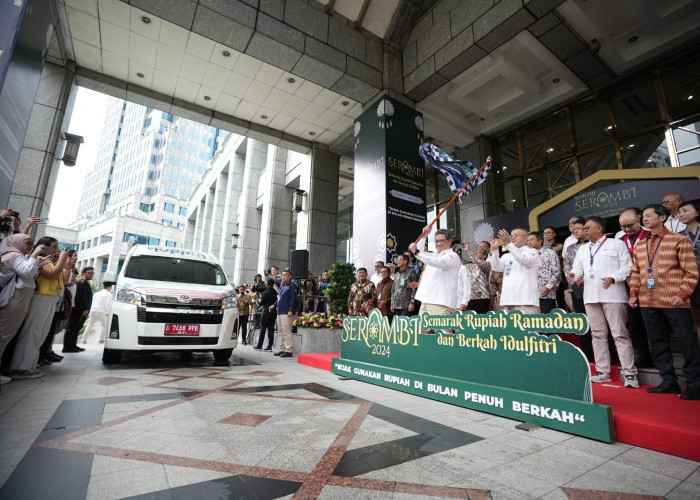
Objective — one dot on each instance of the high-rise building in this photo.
(148, 164)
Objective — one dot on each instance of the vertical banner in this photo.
(389, 198)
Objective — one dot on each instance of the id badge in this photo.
(651, 284)
(590, 275)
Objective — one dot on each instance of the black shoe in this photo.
(79, 348)
(278, 353)
(286, 355)
(690, 395)
(52, 356)
(665, 388)
(57, 355)
(257, 347)
(72, 349)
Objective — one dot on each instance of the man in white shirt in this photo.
(519, 268)
(571, 239)
(99, 310)
(439, 280)
(672, 202)
(377, 276)
(549, 274)
(605, 265)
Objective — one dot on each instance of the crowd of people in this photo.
(636, 287)
(41, 292)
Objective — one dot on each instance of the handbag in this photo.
(8, 290)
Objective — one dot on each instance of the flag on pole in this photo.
(457, 172)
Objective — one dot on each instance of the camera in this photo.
(6, 224)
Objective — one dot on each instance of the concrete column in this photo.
(323, 209)
(276, 227)
(205, 222)
(217, 215)
(249, 217)
(234, 178)
(37, 169)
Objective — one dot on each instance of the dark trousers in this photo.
(267, 324)
(638, 332)
(479, 306)
(660, 322)
(243, 321)
(76, 320)
(401, 312)
(45, 348)
(546, 305)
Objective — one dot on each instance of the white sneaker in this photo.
(4, 380)
(599, 378)
(631, 381)
(28, 374)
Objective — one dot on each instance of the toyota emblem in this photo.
(184, 299)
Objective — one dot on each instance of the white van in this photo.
(171, 299)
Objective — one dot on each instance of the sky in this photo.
(86, 120)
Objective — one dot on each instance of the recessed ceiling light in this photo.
(556, 80)
(609, 128)
(140, 75)
(689, 97)
(529, 179)
(505, 168)
(264, 117)
(225, 53)
(513, 200)
(630, 146)
(146, 20)
(345, 103)
(312, 133)
(549, 150)
(291, 80)
(633, 39)
(207, 98)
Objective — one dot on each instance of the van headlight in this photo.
(130, 297)
(228, 302)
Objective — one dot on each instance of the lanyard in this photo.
(650, 261)
(695, 237)
(677, 220)
(593, 254)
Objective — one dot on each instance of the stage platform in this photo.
(661, 422)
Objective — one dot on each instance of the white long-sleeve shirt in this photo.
(611, 259)
(101, 302)
(519, 269)
(464, 287)
(440, 277)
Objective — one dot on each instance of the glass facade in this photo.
(650, 119)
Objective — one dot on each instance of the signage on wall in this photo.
(612, 200)
(500, 363)
(389, 200)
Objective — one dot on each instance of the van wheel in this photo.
(111, 356)
(222, 355)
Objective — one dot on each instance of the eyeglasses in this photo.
(516, 235)
(587, 228)
(441, 240)
(628, 226)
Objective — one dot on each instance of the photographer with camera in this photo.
(17, 279)
(10, 222)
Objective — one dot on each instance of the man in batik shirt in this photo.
(363, 295)
(402, 302)
(479, 270)
(549, 273)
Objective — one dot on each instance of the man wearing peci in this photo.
(519, 267)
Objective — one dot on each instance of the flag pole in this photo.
(423, 233)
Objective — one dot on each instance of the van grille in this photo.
(178, 340)
(179, 318)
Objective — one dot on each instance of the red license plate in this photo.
(182, 329)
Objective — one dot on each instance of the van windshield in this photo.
(175, 270)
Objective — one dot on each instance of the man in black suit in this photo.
(80, 311)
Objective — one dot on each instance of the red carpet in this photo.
(661, 422)
(320, 360)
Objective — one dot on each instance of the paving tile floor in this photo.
(165, 426)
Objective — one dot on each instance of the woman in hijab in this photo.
(17, 275)
(41, 309)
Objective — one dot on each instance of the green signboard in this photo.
(500, 363)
